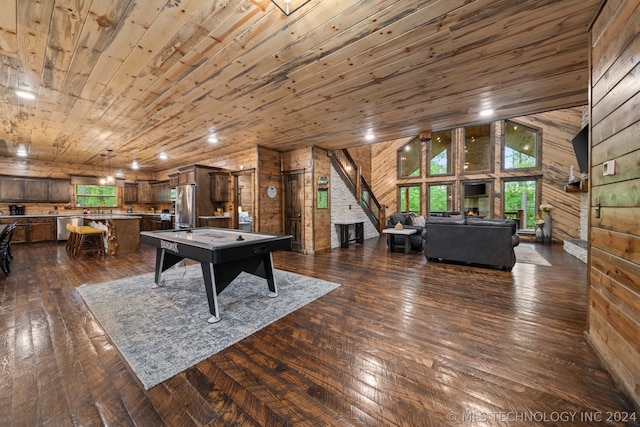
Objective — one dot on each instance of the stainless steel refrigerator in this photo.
(186, 206)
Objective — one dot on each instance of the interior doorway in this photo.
(244, 199)
(294, 207)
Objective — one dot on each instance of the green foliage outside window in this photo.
(440, 198)
(409, 200)
(440, 153)
(90, 196)
(521, 195)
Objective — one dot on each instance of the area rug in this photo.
(528, 255)
(162, 331)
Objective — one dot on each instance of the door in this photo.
(244, 200)
(293, 208)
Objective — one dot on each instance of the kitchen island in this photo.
(123, 232)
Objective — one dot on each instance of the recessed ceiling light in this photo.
(212, 139)
(134, 165)
(370, 136)
(163, 156)
(486, 113)
(25, 95)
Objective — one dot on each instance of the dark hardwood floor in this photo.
(402, 342)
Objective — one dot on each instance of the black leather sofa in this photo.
(477, 241)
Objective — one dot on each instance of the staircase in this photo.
(351, 173)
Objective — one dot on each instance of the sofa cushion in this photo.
(418, 221)
(446, 220)
(493, 223)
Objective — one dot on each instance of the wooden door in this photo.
(244, 199)
(294, 208)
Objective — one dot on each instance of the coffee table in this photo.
(405, 232)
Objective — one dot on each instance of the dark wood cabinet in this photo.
(16, 189)
(59, 190)
(187, 175)
(219, 187)
(154, 222)
(161, 192)
(220, 222)
(130, 193)
(144, 192)
(36, 190)
(173, 180)
(32, 230)
(11, 189)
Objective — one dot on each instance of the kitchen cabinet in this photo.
(16, 189)
(144, 192)
(11, 189)
(153, 223)
(59, 191)
(32, 230)
(36, 190)
(130, 193)
(219, 186)
(214, 221)
(173, 180)
(161, 192)
(187, 175)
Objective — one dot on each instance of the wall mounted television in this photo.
(475, 189)
(581, 148)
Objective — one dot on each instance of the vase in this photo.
(546, 229)
(539, 234)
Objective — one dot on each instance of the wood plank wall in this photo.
(321, 217)
(269, 173)
(614, 251)
(557, 129)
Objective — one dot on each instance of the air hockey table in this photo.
(223, 254)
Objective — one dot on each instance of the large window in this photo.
(410, 159)
(520, 201)
(477, 148)
(520, 147)
(409, 198)
(440, 198)
(90, 196)
(440, 154)
(476, 199)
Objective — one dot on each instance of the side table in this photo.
(405, 232)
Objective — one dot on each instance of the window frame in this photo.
(100, 196)
(536, 202)
(491, 155)
(503, 148)
(407, 187)
(451, 158)
(450, 201)
(403, 150)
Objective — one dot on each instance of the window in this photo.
(89, 196)
(477, 198)
(409, 199)
(410, 159)
(520, 147)
(440, 153)
(477, 148)
(440, 198)
(520, 201)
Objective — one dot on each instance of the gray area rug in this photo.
(163, 331)
(528, 255)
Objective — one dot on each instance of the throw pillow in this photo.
(399, 226)
(419, 221)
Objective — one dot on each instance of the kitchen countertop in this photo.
(120, 215)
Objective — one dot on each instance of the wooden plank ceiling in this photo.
(145, 77)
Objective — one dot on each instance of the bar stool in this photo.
(71, 243)
(88, 240)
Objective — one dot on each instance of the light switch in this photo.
(609, 168)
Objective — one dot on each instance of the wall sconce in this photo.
(289, 6)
